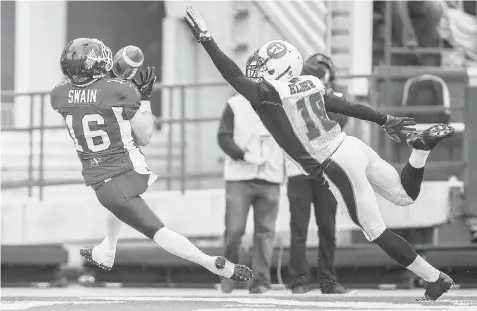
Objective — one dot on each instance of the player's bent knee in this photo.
(150, 230)
(403, 200)
(372, 234)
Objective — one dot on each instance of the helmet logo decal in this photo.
(91, 59)
(276, 49)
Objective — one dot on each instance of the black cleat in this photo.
(429, 138)
(242, 274)
(87, 254)
(436, 289)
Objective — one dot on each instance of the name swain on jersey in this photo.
(82, 96)
(302, 86)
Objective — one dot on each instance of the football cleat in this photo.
(87, 254)
(429, 138)
(242, 274)
(436, 289)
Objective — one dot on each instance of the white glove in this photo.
(253, 159)
(197, 25)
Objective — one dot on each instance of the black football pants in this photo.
(121, 195)
(302, 191)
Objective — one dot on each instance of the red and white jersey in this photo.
(97, 117)
(303, 106)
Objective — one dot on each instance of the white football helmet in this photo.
(275, 60)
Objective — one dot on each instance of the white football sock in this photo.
(180, 246)
(105, 252)
(424, 269)
(418, 158)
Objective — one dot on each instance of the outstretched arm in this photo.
(340, 105)
(392, 125)
(226, 66)
(232, 73)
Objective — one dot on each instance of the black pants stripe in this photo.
(342, 181)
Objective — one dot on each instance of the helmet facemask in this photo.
(256, 65)
(102, 63)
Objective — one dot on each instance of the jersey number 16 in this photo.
(317, 104)
(96, 140)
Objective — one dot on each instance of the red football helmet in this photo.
(85, 60)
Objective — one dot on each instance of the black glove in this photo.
(396, 125)
(197, 25)
(146, 84)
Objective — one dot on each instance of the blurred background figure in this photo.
(303, 191)
(415, 24)
(253, 172)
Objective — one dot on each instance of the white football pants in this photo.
(358, 172)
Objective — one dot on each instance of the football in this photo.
(127, 62)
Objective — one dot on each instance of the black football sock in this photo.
(396, 247)
(401, 251)
(411, 180)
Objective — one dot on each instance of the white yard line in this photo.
(85, 292)
(26, 304)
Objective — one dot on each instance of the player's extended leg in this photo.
(121, 197)
(403, 189)
(422, 143)
(347, 171)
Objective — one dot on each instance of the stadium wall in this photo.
(196, 213)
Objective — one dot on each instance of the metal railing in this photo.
(179, 125)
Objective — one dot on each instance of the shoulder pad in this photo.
(62, 83)
(317, 81)
(122, 82)
(125, 86)
(118, 80)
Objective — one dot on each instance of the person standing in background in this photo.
(254, 170)
(304, 190)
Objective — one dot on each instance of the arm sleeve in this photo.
(130, 100)
(342, 106)
(253, 91)
(225, 135)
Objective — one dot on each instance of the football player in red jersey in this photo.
(294, 107)
(108, 119)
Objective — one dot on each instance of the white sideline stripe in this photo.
(272, 302)
(351, 307)
(25, 305)
(253, 309)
